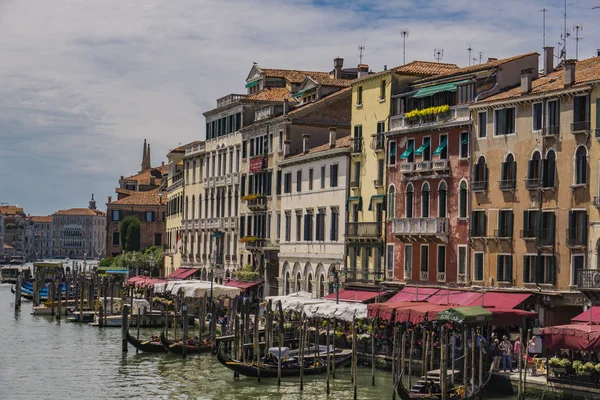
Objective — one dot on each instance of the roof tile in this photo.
(80, 212)
(149, 197)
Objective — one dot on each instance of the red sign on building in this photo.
(257, 164)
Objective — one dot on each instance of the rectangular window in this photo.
(298, 226)
(380, 167)
(158, 239)
(553, 115)
(116, 239)
(410, 146)
(308, 226)
(270, 150)
(288, 227)
(252, 149)
(244, 149)
(116, 215)
(505, 121)
(465, 93)
(408, 260)
(334, 228)
(278, 183)
(577, 264)
(333, 175)
(580, 110)
(389, 262)
(578, 228)
(424, 258)
(278, 226)
(462, 260)
(269, 221)
(442, 149)
(537, 116)
(242, 226)
(359, 95)
(320, 234)
(478, 223)
(464, 145)
(478, 267)
(441, 261)
(299, 181)
(482, 127)
(505, 224)
(323, 177)
(311, 173)
(149, 216)
(504, 268)
(530, 218)
(287, 183)
(392, 153)
(382, 90)
(380, 127)
(539, 269)
(356, 180)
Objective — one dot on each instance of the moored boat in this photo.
(148, 346)
(177, 347)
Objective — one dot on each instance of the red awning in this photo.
(386, 310)
(410, 294)
(510, 316)
(133, 280)
(143, 281)
(182, 273)
(500, 299)
(357, 296)
(419, 313)
(577, 337)
(454, 297)
(591, 315)
(241, 284)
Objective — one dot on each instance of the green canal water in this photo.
(47, 359)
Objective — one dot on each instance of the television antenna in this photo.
(564, 36)
(470, 49)
(480, 56)
(544, 11)
(361, 51)
(577, 29)
(404, 35)
(438, 54)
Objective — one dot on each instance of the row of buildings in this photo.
(75, 233)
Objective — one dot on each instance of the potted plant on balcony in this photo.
(249, 239)
(250, 197)
(247, 274)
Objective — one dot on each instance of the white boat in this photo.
(10, 273)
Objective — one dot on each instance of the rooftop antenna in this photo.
(404, 35)
(438, 54)
(544, 11)
(361, 50)
(577, 29)
(470, 49)
(564, 36)
(480, 56)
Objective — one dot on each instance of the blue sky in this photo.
(82, 83)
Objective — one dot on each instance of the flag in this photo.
(178, 244)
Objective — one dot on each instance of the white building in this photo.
(313, 215)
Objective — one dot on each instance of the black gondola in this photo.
(287, 368)
(177, 348)
(146, 346)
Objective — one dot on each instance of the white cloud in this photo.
(83, 82)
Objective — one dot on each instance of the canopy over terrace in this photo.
(182, 273)
(359, 296)
(319, 308)
(388, 309)
(590, 316)
(413, 294)
(500, 299)
(454, 297)
(294, 301)
(418, 313)
(195, 288)
(576, 337)
(143, 281)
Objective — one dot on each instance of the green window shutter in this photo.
(525, 270)
(551, 228)
(499, 275)
(552, 269)
(513, 170)
(597, 113)
(485, 176)
(511, 217)
(539, 269)
(525, 221)
(508, 268)
(473, 223)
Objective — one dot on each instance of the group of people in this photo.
(507, 352)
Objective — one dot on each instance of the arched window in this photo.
(480, 175)
(442, 199)
(391, 202)
(509, 173)
(288, 284)
(462, 200)
(425, 200)
(309, 286)
(534, 171)
(409, 200)
(193, 207)
(581, 166)
(298, 279)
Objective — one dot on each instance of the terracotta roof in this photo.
(301, 109)
(586, 71)
(126, 192)
(475, 68)
(292, 75)
(42, 219)
(80, 212)
(270, 94)
(7, 247)
(149, 197)
(144, 176)
(329, 81)
(10, 210)
(425, 68)
(339, 144)
(181, 149)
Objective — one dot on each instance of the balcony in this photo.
(407, 168)
(576, 237)
(455, 114)
(423, 166)
(357, 144)
(195, 149)
(545, 238)
(533, 183)
(503, 234)
(441, 276)
(440, 165)
(528, 234)
(597, 133)
(378, 142)
(507, 185)
(230, 223)
(417, 228)
(256, 202)
(550, 131)
(588, 279)
(580, 127)
(232, 179)
(424, 276)
(254, 242)
(230, 98)
(220, 180)
(215, 223)
(364, 230)
(378, 182)
(479, 186)
(211, 182)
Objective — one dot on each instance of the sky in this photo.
(84, 82)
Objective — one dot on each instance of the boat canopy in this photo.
(285, 352)
(195, 288)
(319, 308)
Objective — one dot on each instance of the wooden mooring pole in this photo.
(185, 322)
(279, 341)
(124, 326)
(327, 343)
(18, 291)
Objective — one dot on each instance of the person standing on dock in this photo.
(456, 343)
(506, 348)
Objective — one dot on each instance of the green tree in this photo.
(130, 234)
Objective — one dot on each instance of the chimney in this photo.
(363, 70)
(338, 64)
(385, 67)
(92, 205)
(526, 80)
(598, 52)
(305, 145)
(332, 137)
(286, 148)
(570, 72)
(285, 106)
(490, 59)
(548, 59)
(110, 199)
(152, 181)
(162, 163)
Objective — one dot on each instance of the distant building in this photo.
(42, 236)
(79, 232)
(18, 230)
(2, 255)
(143, 196)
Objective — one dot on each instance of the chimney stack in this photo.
(548, 60)
(570, 72)
(385, 67)
(110, 199)
(598, 52)
(92, 205)
(286, 148)
(285, 106)
(526, 75)
(338, 64)
(363, 70)
(305, 145)
(490, 59)
(332, 137)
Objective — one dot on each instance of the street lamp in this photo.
(137, 269)
(212, 272)
(152, 263)
(334, 277)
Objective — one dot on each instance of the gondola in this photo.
(288, 368)
(146, 346)
(177, 348)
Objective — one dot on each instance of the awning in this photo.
(250, 84)
(465, 315)
(376, 198)
(509, 316)
(454, 297)
(501, 299)
(431, 90)
(355, 198)
(465, 140)
(425, 145)
(407, 151)
(576, 337)
(410, 294)
(182, 273)
(591, 315)
(242, 284)
(419, 313)
(143, 281)
(358, 296)
(441, 147)
(115, 271)
(302, 93)
(217, 234)
(386, 310)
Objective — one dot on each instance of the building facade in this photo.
(310, 231)
(42, 236)
(429, 168)
(18, 231)
(2, 254)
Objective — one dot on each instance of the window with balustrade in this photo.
(581, 166)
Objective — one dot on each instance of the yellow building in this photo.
(371, 109)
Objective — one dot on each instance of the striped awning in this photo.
(445, 87)
(250, 84)
(425, 145)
